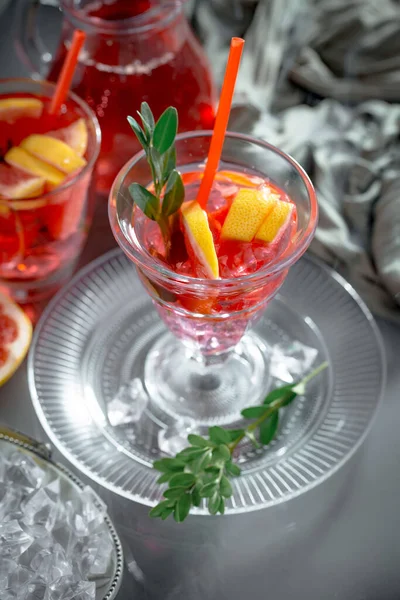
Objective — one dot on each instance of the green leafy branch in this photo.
(203, 469)
(158, 142)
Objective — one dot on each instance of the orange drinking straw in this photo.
(67, 72)
(221, 120)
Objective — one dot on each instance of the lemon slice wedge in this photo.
(12, 109)
(54, 152)
(275, 222)
(20, 158)
(199, 238)
(247, 213)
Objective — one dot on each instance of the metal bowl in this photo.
(42, 454)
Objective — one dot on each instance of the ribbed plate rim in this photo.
(117, 253)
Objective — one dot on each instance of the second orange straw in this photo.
(221, 120)
(67, 72)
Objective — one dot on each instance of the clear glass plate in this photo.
(96, 333)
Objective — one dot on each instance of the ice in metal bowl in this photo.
(56, 540)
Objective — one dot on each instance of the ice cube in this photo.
(53, 489)
(53, 564)
(36, 590)
(82, 561)
(24, 471)
(184, 268)
(173, 439)
(99, 552)
(40, 509)
(67, 588)
(14, 540)
(41, 563)
(34, 549)
(237, 258)
(290, 360)
(10, 498)
(18, 580)
(217, 199)
(65, 535)
(13, 515)
(93, 509)
(36, 530)
(129, 403)
(7, 567)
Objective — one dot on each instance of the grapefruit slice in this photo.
(15, 337)
(12, 109)
(15, 184)
(53, 152)
(75, 136)
(247, 213)
(275, 222)
(66, 215)
(20, 158)
(199, 239)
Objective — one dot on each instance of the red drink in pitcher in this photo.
(135, 51)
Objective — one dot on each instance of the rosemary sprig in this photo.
(203, 469)
(158, 142)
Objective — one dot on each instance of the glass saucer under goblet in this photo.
(205, 366)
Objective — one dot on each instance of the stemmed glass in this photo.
(209, 363)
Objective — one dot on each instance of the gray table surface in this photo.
(339, 541)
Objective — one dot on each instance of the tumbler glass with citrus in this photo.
(46, 187)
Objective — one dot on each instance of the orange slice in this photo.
(248, 211)
(199, 238)
(12, 109)
(201, 306)
(239, 178)
(75, 136)
(20, 158)
(54, 152)
(276, 220)
(15, 337)
(16, 184)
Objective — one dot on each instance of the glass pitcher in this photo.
(135, 50)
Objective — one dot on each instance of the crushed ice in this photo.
(54, 544)
(129, 403)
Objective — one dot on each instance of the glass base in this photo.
(184, 387)
(147, 391)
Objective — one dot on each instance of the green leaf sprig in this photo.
(158, 142)
(202, 471)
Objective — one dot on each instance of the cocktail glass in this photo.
(208, 364)
(41, 238)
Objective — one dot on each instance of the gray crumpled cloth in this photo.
(343, 52)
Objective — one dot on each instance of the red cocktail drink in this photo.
(253, 223)
(45, 186)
